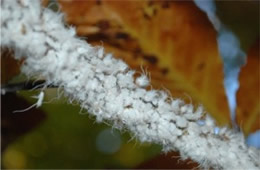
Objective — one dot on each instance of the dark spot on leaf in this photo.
(137, 50)
(151, 59)
(103, 24)
(150, 3)
(165, 71)
(146, 16)
(154, 12)
(98, 2)
(121, 35)
(165, 4)
(201, 66)
(98, 37)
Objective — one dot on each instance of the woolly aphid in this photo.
(106, 87)
(38, 104)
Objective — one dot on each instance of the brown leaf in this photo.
(248, 112)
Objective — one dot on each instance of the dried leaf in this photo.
(248, 112)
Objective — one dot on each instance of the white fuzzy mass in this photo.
(106, 87)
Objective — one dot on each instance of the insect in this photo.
(38, 104)
(40, 99)
(142, 81)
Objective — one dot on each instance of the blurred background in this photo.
(174, 41)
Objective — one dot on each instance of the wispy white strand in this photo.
(106, 87)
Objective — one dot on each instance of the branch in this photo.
(106, 87)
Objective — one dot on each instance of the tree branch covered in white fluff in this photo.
(107, 88)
